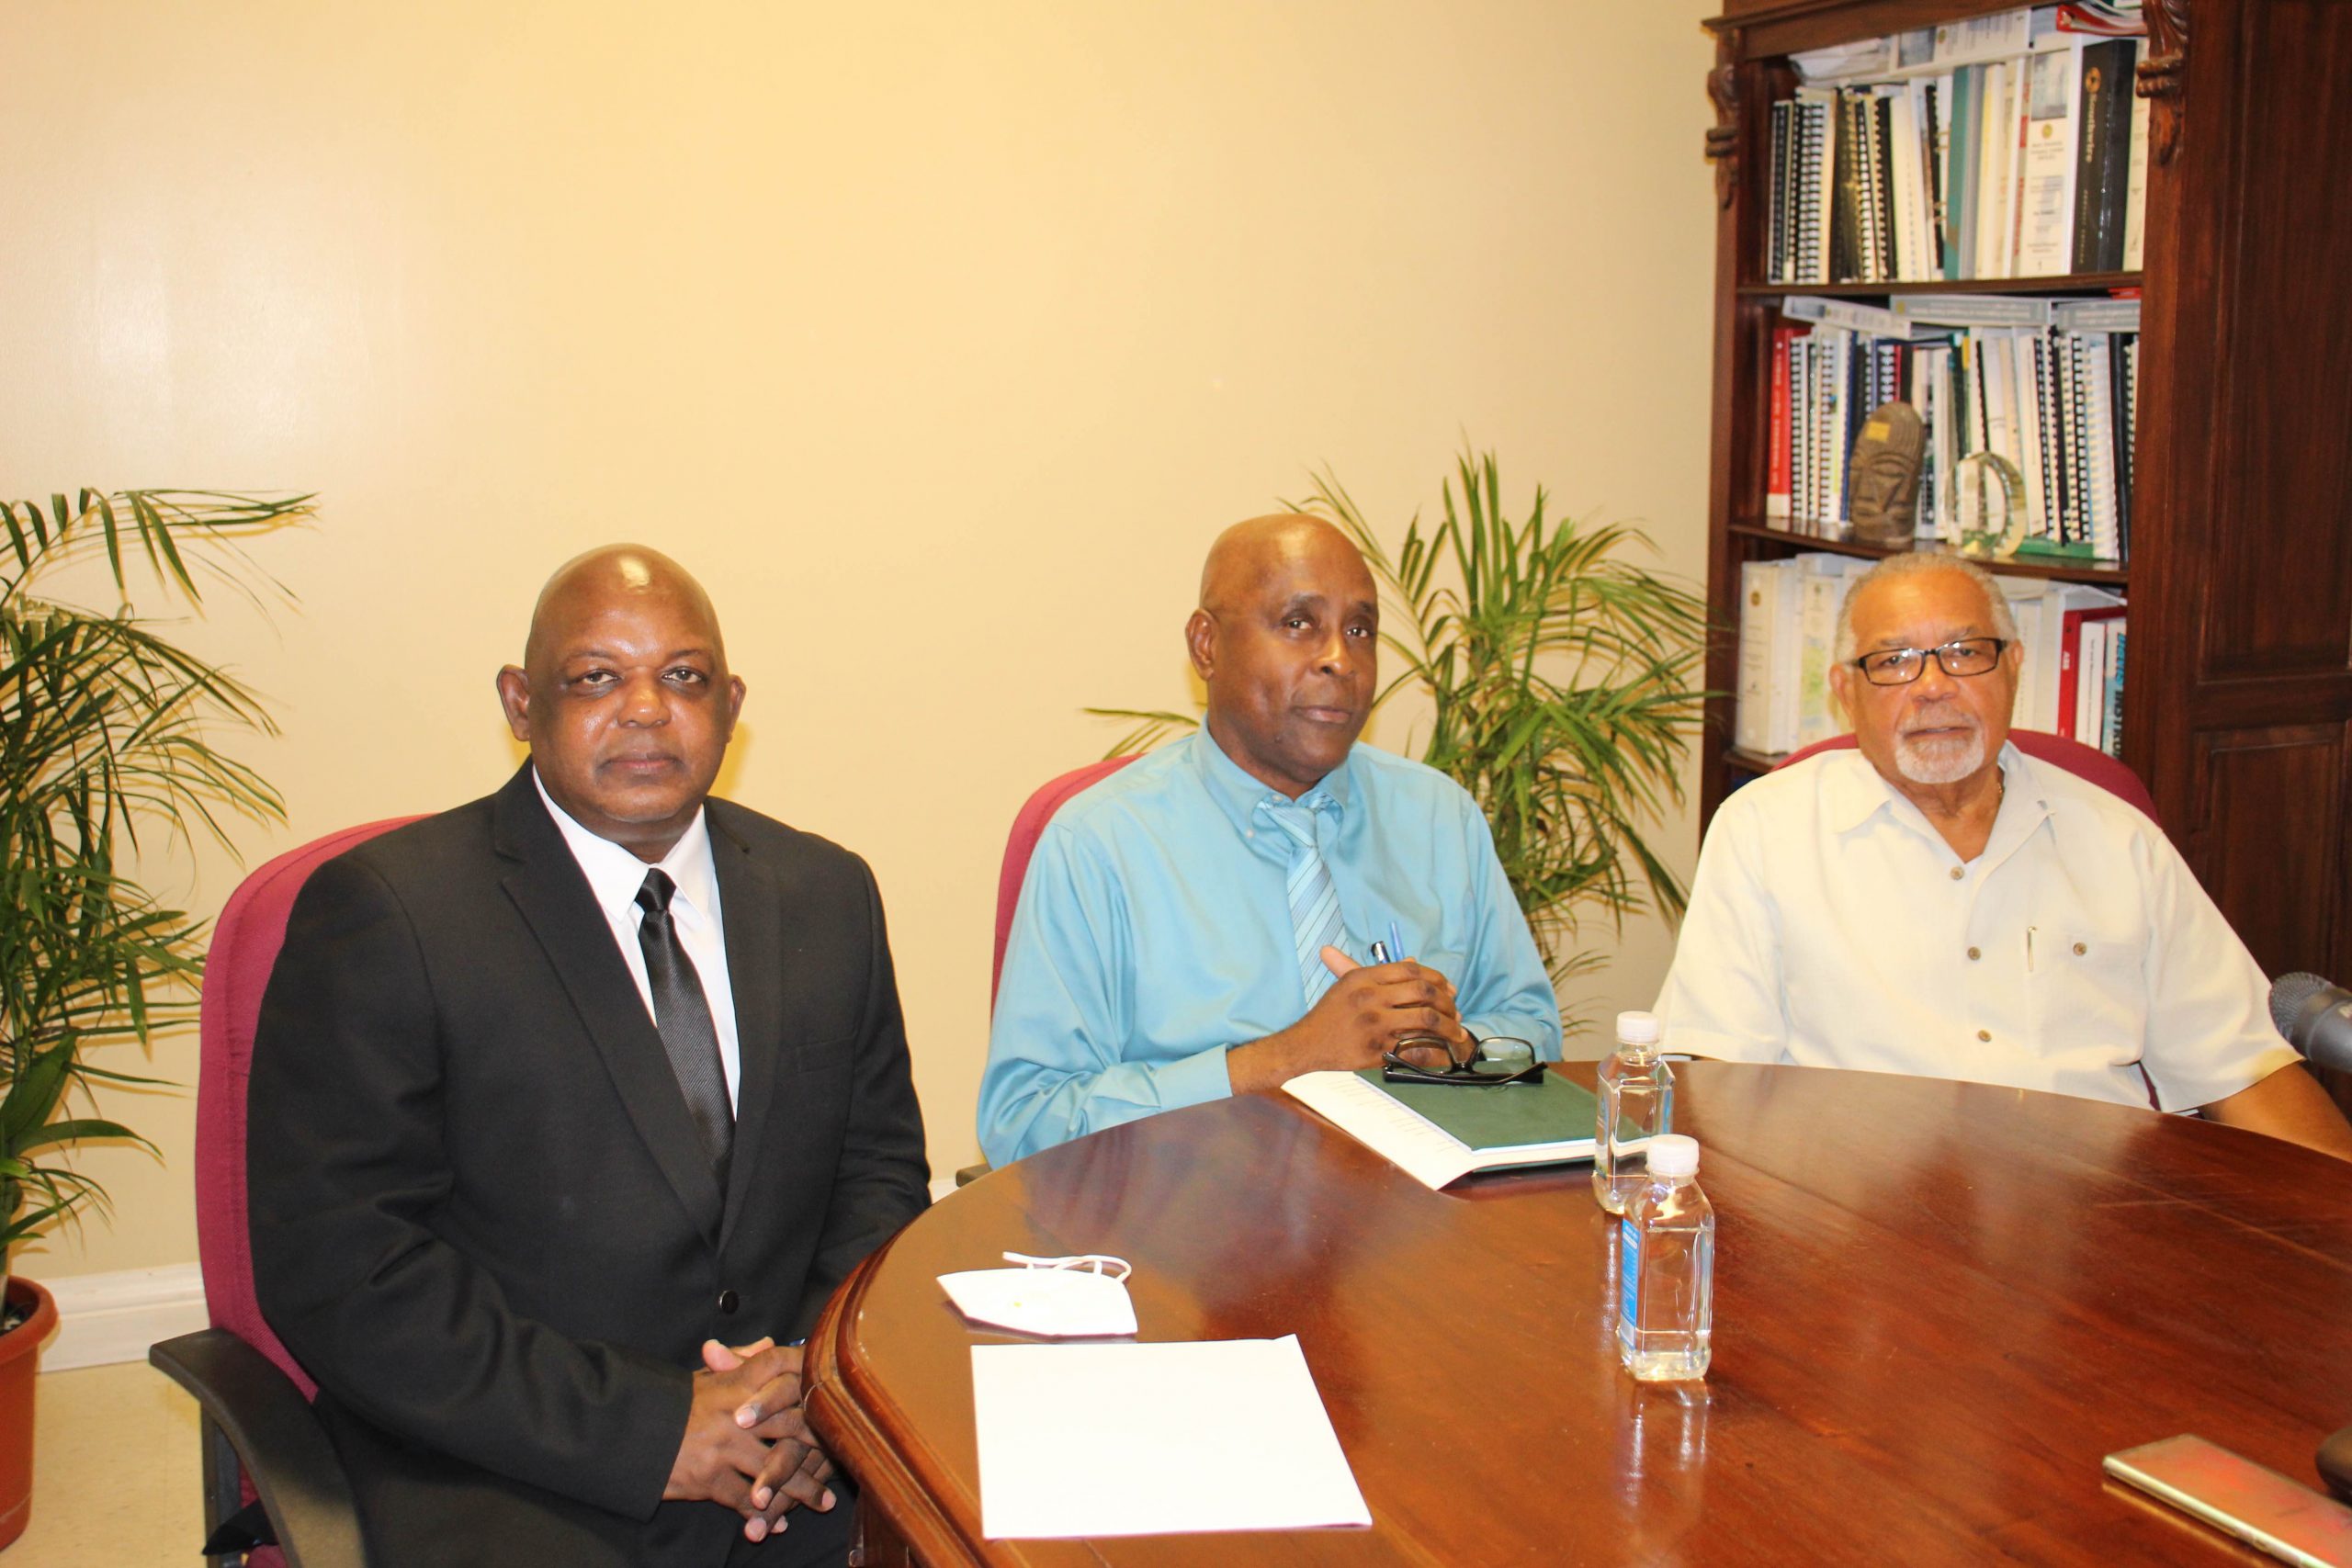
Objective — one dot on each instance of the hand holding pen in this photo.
(1391, 1004)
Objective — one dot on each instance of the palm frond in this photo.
(106, 725)
(1564, 680)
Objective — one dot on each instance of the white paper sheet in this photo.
(1156, 1439)
(1418, 1146)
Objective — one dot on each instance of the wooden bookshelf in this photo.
(2238, 709)
(2074, 283)
(2107, 573)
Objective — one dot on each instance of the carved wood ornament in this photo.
(2164, 75)
(1723, 137)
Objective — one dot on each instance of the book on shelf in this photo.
(2081, 683)
(2055, 402)
(2016, 148)
(2095, 715)
(1779, 468)
(1998, 121)
(2135, 164)
(2100, 179)
(2112, 315)
(1973, 309)
(2045, 246)
(2111, 735)
(1975, 38)
(1788, 633)
(2053, 620)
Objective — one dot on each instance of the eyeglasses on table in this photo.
(1490, 1063)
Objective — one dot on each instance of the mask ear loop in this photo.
(1090, 1262)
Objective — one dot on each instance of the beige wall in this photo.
(939, 338)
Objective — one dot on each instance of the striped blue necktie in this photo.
(1313, 902)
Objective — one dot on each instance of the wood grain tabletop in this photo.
(1936, 1306)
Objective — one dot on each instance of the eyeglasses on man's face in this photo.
(1960, 659)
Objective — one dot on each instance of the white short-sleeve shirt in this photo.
(1830, 925)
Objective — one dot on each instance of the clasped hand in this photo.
(1370, 1010)
(747, 1443)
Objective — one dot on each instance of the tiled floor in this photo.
(115, 1472)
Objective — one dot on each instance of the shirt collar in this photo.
(1855, 792)
(1239, 794)
(615, 873)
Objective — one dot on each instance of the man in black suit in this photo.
(557, 1096)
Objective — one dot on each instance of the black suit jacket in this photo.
(480, 1216)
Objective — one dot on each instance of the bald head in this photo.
(610, 576)
(624, 697)
(1284, 639)
(1242, 555)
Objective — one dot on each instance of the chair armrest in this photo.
(279, 1440)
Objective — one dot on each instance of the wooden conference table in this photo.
(1937, 1305)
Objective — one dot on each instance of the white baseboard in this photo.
(114, 1317)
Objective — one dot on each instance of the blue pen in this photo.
(1395, 941)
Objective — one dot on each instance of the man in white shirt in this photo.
(1936, 902)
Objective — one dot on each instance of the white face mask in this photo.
(1055, 1298)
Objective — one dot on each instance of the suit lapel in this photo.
(548, 888)
(752, 910)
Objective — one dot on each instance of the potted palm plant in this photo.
(1561, 682)
(104, 726)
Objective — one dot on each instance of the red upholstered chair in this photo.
(2083, 761)
(259, 1436)
(1028, 826)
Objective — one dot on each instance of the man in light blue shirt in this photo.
(1194, 925)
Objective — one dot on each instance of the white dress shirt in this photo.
(1830, 925)
(614, 876)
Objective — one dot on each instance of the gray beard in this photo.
(1938, 762)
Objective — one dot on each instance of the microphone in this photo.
(2316, 1019)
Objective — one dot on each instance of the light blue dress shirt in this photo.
(1154, 934)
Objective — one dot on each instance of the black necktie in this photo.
(682, 1013)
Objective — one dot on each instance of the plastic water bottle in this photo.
(1667, 1261)
(1636, 1104)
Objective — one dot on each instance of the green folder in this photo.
(1515, 1123)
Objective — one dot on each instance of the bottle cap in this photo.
(1638, 1028)
(1671, 1154)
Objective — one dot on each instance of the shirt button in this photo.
(728, 1302)
(2080, 950)
(1986, 1036)
(1973, 955)
(1957, 874)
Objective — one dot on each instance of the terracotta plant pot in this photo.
(19, 1360)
